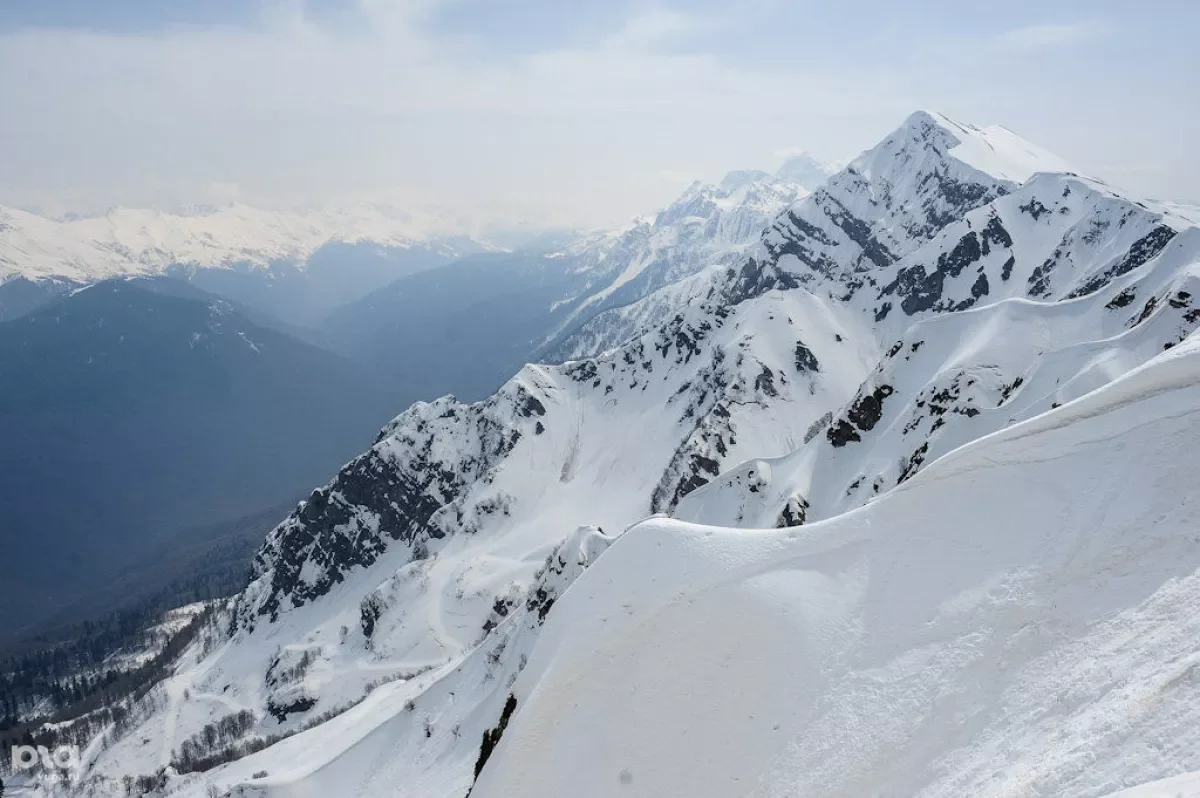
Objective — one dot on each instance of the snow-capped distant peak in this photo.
(743, 177)
(147, 241)
(804, 170)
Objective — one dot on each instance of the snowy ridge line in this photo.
(1142, 383)
(1000, 356)
(628, 625)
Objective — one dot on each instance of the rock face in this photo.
(406, 490)
(947, 283)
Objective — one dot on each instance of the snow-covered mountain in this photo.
(261, 257)
(481, 318)
(965, 373)
(805, 170)
(135, 241)
(294, 265)
(864, 218)
(707, 226)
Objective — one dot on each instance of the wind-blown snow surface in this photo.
(1186, 785)
(942, 288)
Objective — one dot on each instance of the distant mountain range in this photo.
(164, 372)
(478, 320)
(297, 266)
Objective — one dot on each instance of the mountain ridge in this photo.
(1009, 289)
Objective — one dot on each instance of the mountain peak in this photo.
(740, 178)
(804, 170)
(993, 150)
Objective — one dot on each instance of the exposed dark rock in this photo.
(1007, 391)
(1122, 299)
(376, 500)
(1006, 269)
(860, 233)
(1147, 309)
(1033, 208)
(949, 200)
(979, 288)
(492, 736)
(921, 287)
(805, 359)
(863, 414)
(765, 381)
(1144, 249)
(756, 278)
(369, 611)
(842, 432)
(501, 606)
(994, 234)
(793, 513)
(914, 462)
(530, 406)
(281, 712)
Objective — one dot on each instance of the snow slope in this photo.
(1183, 786)
(1019, 619)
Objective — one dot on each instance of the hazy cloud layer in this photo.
(583, 116)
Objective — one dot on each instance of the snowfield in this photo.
(1019, 619)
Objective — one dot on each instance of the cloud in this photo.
(296, 111)
(302, 110)
(790, 152)
(651, 28)
(1034, 37)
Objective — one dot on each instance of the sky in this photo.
(560, 112)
